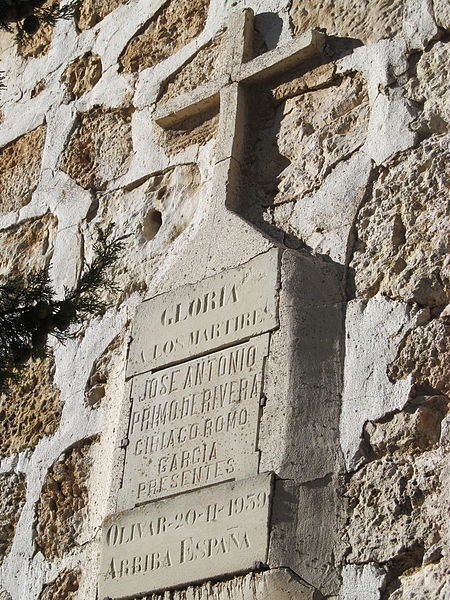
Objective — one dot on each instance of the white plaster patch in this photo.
(368, 394)
(362, 582)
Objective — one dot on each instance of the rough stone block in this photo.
(64, 587)
(400, 247)
(171, 28)
(91, 12)
(31, 408)
(100, 147)
(27, 247)
(203, 66)
(39, 43)
(12, 498)
(62, 504)
(20, 165)
(423, 353)
(81, 75)
(359, 19)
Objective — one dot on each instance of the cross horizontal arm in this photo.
(281, 59)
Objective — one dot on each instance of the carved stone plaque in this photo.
(207, 533)
(194, 424)
(194, 319)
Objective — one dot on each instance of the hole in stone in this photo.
(152, 224)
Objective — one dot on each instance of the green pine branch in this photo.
(29, 312)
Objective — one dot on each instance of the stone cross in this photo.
(227, 92)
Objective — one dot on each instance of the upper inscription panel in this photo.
(207, 533)
(194, 319)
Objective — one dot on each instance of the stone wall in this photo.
(344, 163)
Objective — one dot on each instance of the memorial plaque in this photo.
(194, 424)
(194, 319)
(203, 534)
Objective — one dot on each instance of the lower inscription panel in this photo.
(185, 539)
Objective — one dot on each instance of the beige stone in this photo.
(442, 13)
(27, 247)
(415, 429)
(191, 537)
(30, 409)
(81, 75)
(203, 66)
(39, 43)
(100, 147)
(400, 248)
(91, 12)
(20, 164)
(430, 89)
(12, 498)
(61, 508)
(206, 409)
(172, 27)
(64, 587)
(398, 501)
(424, 353)
(226, 308)
(367, 21)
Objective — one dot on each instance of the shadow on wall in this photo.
(309, 512)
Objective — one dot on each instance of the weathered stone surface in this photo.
(220, 530)
(98, 379)
(81, 75)
(311, 182)
(91, 12)
(162, 211)
(394, 500)
(400, 249)
(64, 587)
(27, 247)
(39, 43)
(429, 89)
(431, 581)
(12, 498)
(367, 21)
(276, 584)
(415, 429)
(20, 164)
(172, 27)
(442, 13)
(424, 354)
(4, 595)
(329, 124)
(194, 319)
(61, 507)
(203, 66)
(31, 409)
(100, 147)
